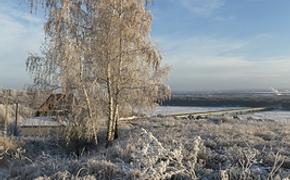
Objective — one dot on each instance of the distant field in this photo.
(229, 100)
(279, 116)
(274, 115)
(168, 110)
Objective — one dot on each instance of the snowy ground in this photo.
(167, 110)
(163, 148)
(281, 116)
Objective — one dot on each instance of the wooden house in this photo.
(56, 105)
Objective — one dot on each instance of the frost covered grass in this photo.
(166, 149)
(237, 148)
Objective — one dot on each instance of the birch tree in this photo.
(101, 51)
(66, 60)
(130, 62)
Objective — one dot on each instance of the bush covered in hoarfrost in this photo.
(143, 157)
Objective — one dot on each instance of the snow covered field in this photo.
(278, 115)
(281, 116)
(167, 110)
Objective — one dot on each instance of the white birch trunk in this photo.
(88, 102)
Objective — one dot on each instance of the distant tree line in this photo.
(282, 102)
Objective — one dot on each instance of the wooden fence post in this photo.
(16, 118)
(6, 119)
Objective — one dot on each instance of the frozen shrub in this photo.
(156, 162)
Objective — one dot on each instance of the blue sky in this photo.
(209, 44)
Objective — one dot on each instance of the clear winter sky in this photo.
(209, 44)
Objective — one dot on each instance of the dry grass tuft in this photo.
(7, 144)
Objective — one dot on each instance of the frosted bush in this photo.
(156, 162)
